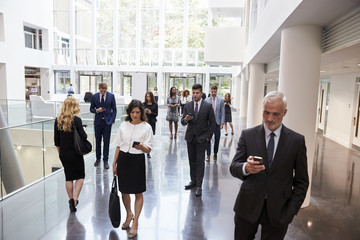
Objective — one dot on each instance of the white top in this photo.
(184, 100)
(155, 93)
(128, 133)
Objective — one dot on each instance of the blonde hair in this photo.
(69, 109)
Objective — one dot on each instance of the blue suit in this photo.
(220, 120)
(103, 122)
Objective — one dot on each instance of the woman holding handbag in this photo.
(134, 138)
(72, 162)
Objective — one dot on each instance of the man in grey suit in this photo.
(199, 117)
(219, 111)
(271, 161)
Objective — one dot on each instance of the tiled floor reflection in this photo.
(170, 212)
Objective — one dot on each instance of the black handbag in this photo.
(114, 205)
(82, 146)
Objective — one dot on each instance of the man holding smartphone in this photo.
(103, 105)
(199, 117)
(272, 191)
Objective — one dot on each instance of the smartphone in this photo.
(190, 114)
(103, 108)
(259, 159)
(84, 125)
(135, 143)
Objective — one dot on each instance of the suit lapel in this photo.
(260, 141)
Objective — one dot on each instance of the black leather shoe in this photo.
(215, 156)
(190, 185)
(198, 191)
(106, 165)
(96, 163)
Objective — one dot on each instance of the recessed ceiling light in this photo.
(358, 64)
(322, 71)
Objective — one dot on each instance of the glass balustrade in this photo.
(27, 150)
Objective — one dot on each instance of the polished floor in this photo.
(170, 212)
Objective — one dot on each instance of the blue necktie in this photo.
(196, 110)
(102, 100)
(270, 149)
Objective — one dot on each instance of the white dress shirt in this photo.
(129, 133)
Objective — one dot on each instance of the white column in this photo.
(244, 95)
(256, 94)
(300, 58)
(160, 82)
(93, 35)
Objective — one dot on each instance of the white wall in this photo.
(340, 112)
(139, 86)
(13, 52)
(224, 45)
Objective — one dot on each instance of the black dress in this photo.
(228, 117)
(73, 163)
(152, 116)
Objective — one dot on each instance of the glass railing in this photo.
(27, 150)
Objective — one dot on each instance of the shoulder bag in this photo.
(82, 146)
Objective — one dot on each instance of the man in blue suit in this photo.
(104, 106)
(219, 111)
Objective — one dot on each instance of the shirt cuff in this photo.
(244, 172)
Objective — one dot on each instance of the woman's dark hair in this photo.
(197, 86)
(171, 91)
(134, 104)
(151, 97)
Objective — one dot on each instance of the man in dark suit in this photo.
(218, 106)
(200, 120)
(104, 106)
(271, 193)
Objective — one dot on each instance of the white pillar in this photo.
(256, 95)
(300, 58)
(244, 95)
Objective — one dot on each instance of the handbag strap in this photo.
(114, 188)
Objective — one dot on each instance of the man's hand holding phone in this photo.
(254, 164)
(100, 109)
(188, 117)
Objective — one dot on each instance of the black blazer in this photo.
(65, 140)
(204, 126)
(154, 112)
(284, 186)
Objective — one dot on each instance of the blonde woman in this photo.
(228, 117)
(64, 141)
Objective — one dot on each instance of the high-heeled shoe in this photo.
(126, 225)
(132, 234)
(72, 205)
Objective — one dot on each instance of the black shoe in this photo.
(72, 205)
(106, 165)
(189, 186)
(198, 191)
(96, 163)
(148, 155)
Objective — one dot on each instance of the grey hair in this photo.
(275, 96)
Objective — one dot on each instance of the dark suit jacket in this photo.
(204, 126)
(285, 185)
(110, 114)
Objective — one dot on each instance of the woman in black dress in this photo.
(228, 118)
(151, 111)
(133, 139)
(64, 141)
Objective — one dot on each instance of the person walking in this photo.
(133, 138)
(271, 161)
(200, 120)
(73, 163)
(156, 94)
(228, 117)
(185, 98)
(172, 116)
(219, 111)
(103, 105)
(151, 111)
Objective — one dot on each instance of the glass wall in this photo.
(62, 81)
(222, 82)
(127, 32)
(83, 32)
(104, 32)
(61, 32)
